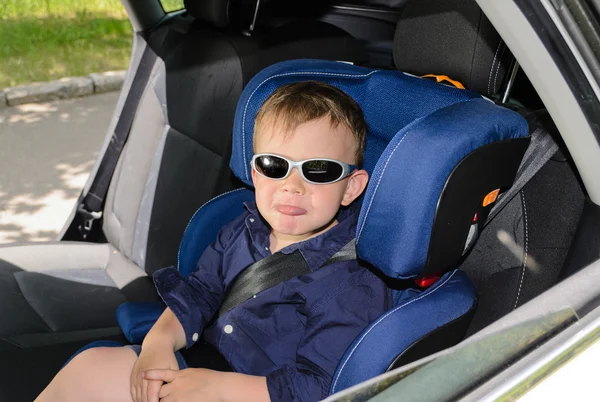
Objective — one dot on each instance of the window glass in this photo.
(172, 5)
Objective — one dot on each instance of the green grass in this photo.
(43, 40)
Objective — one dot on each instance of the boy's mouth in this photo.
(290, 210)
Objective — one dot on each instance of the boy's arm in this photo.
(194, 300)
(158, 351)
(166, 332)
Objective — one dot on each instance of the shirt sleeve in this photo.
(330, 329)
(194, 300)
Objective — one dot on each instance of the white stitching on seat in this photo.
(193, 216)
(407, 128)
(526, 249)
(379, 181)
(492, 68)
(499, 64)
(246, 163)
(383, 318)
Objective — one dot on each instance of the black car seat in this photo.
(175, 159)
(454, 38)
(521, 253)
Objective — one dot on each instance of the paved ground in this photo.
(46, 152)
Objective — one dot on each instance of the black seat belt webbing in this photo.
(348, 252)
(93, 202)
(541, 148)
(273, 270)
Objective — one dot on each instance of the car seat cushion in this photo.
(401, 327)
(205, 224)
(136, 318)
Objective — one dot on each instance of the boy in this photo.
(309, 139)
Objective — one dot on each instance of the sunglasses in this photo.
(314, 171)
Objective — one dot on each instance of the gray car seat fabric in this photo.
(176, 158)
(53, 281)
(521, 252)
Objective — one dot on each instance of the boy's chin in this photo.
(287, 232)
(293, 231)
(299, 231)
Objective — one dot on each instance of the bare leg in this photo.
(98, 374)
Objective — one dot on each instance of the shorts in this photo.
(201, 355)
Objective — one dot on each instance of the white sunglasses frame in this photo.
(347, 169)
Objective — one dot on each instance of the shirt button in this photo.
(228, 329)
(195, 337)
(267, 248)
(251, 220)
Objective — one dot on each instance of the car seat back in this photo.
(453, 38)
(178, 149)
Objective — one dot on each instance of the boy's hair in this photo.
(293, 104)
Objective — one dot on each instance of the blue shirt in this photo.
(294, 333)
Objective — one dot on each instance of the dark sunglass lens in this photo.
(321, 171)
(271, 166)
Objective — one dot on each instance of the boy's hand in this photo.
(191, 384)
(146, 390)
(194, 384)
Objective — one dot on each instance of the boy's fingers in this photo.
(144, 396)
(162, 375)
(165, 391)
(153, 390)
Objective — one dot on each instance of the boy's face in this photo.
(294, 208)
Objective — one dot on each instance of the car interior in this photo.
(186, 145)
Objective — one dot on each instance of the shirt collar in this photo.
(315, 250)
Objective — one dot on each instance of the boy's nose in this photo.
(294, 183)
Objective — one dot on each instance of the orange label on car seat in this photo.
(440, 78)
(491, 197)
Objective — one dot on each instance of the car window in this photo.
(580, 19)
(172, 5)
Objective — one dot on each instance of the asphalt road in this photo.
(46, 152)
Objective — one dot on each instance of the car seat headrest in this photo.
(453, 38)
(223, 13)
(389, 99)
(419, 134)
(215, 12)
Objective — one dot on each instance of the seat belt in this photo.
(90, 209)
(541, 148)
(273, 270)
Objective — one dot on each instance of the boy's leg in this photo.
(97, 374)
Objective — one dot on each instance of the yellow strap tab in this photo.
(440, 78)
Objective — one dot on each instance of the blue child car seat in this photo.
(437, 157)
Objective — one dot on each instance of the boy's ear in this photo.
(357, 182)
(253, 174)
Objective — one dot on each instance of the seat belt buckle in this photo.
(88, 218)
